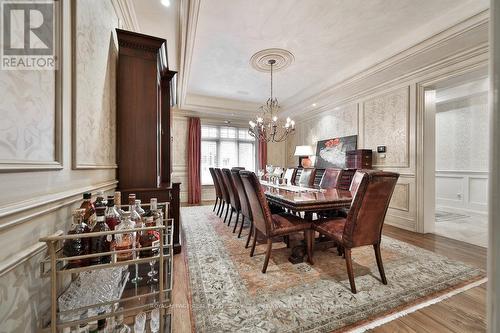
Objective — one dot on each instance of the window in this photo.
(225, 147)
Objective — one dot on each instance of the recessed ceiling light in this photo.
(313, 104)
(165, 3)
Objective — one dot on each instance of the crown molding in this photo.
(220, 107)
(208, 118)
(189, 10)
(126, 12)
(440, 44)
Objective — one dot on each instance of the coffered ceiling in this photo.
(331, 40)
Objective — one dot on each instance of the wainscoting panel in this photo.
(463, 190)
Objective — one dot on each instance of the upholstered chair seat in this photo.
(284, 224)
(333, 228)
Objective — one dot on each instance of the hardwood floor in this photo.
(465, 312)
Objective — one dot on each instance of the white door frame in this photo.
(426, 145)
(493, 305)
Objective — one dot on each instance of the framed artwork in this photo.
(332, 153)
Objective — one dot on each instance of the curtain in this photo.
(262, 154)
(194, 161)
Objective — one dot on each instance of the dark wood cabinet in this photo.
(359, 159)
(144, 122)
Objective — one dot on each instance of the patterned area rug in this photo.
(230, 294)
(442, 216)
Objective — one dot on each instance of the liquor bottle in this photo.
(100, 243)
(99, 200)
(148, 238)
(156, 212)
(139, 209)
(77, 246)
(89, 217)
(118, 202)
(138, 219)
(126, 240)
(112, 216)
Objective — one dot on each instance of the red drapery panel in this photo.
(262, 154)
(194, 161)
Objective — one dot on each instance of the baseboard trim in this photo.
(462, 210)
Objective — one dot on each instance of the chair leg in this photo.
(249, 234)
(254, 241)
(230, 217)
(218, 208)
(268, 254)
(222, 210)
(215, 204)
(348, 262)
(286, 239)
(241, 226)
(380, 265)
(236, 223)
(309, 236)
(227, 211)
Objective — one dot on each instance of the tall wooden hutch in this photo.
(144, 85)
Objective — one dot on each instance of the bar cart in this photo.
(117, 295)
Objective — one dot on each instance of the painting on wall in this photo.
(332, 153)
(95, 54)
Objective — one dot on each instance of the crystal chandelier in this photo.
(267, 126)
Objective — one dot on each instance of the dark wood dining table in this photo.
(309, 201)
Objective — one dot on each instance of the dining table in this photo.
(308, 200)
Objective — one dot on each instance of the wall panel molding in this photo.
(94, 61)
(22, 211)
(386, 121)
(24, 147)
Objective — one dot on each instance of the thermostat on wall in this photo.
(381, 149)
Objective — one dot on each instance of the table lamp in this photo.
(303, 152)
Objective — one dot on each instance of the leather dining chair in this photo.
(330, 178)
(289, 176)
(364, 222)
(244, 204)
(218, 193)
(233, 196)
(225, 194)
(306, 177)
(271, 225)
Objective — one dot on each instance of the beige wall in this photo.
(36, 203)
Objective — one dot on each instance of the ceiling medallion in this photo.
(282, 59)
(267, 127)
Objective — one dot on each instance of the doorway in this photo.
(458, 107)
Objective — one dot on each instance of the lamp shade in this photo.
(303, 151)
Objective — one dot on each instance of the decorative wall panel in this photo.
(30, 113)
(94, 69)
(386, 122)
(401, 198)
